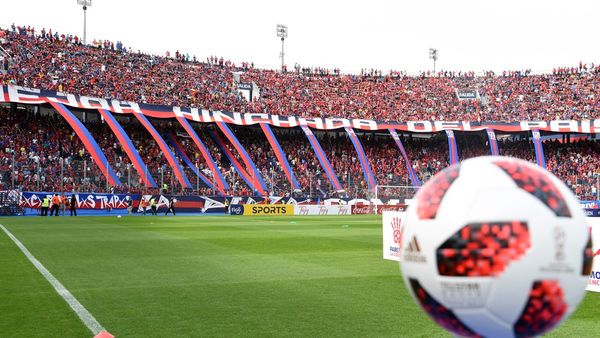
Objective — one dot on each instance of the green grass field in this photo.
(216, 276)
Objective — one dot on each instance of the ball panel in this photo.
(545, 308)
(462, 293)
(536, 182)
(483, 249)
(431, 194)
(439, 313)
(464, 194)
(485, 323)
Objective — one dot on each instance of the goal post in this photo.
(390, 193)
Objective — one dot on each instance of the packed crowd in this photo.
(42, 153)
(60, 62)
(577, 164)
(39, 152)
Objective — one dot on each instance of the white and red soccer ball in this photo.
(496, 247)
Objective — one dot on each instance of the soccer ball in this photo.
(118, 216)
(496, 247)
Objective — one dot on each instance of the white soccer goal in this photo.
(394, 194)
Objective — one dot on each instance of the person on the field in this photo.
(45, 206)
(171, 206)
(129, 204)
(153, 206)
(226, 206)
(73, 205)
(63, 204)
(143, 205)
(55, 205)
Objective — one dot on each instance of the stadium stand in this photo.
(39, 152)
(60, 62)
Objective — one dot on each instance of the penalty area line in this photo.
(83, 314)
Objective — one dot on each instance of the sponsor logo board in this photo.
(322, 210)
(364, 209)
(594, 279)
(268, 209)
(236, 209)
(393, 229)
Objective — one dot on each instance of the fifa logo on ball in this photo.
(560, 237)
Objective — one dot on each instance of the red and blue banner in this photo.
(452, 147)
(493, 142)
(33, 200)
(414, 179)
(362, 157)
(130, 150)
(287, 169)
(210, 161)
(89, 143)
(539, 148)
(181, 176)
(322, 159)
(250, 166)
(236, 164)
(17, 94)
(179, 149)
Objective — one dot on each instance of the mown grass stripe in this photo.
(86, 317)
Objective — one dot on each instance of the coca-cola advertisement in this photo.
(366, 209)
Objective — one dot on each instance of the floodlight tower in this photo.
(433, 54)
(282, 32)
(85, 4)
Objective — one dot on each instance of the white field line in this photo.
(85, 316)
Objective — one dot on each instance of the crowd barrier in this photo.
(31, 201)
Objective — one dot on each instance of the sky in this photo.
(350, 35)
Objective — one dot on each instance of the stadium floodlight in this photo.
(282, 32)
(433, 54)
(85, 4)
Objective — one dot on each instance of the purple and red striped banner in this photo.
(210, 161)
(322, 158)
(179, 174)
(362, 157)
(237, 165)
(539, 148)
(452, 147)
(414, 179)
(179, 149)
(280, 155)
(493, 142)
(129, 148)
(89, 143)
(250, 166)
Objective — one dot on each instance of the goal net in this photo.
(394, 194)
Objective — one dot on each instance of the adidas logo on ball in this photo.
(413, 252)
